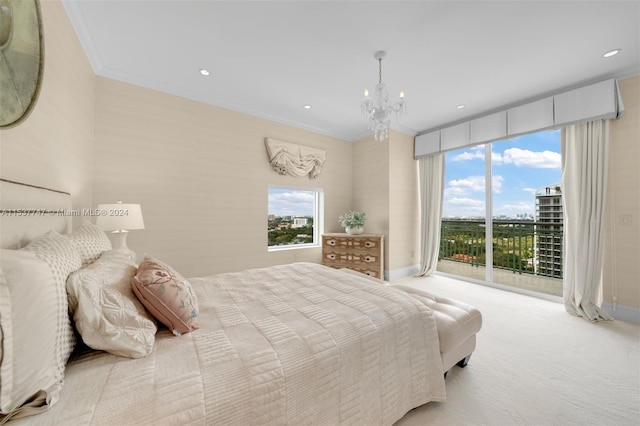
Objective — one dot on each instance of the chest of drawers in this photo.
(363, 253)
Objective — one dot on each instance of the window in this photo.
(294, 217)
(523, 204)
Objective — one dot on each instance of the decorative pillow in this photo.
(34, 334)
(91, 242)
(167, 295)
(107, 314)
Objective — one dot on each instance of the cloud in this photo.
(538, 160)
(291, 203)
(463, 207)
(470, 202)
(466, 185)
(514, 209)
(496, 183)
(477, 153)
(531, 191)
(471, 184)
(469, 156)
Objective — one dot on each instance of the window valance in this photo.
(293, 159)
(593, 102)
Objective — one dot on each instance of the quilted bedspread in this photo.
(292, 344)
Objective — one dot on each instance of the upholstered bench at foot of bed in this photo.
(457, 325)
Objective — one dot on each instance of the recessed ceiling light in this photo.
(306, 106)
(611, 53)
(460, 106)
(204, 71)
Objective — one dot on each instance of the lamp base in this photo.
(119, 242)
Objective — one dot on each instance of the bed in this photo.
(288, 344)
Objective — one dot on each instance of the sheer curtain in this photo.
(585, 161)
(431, 188)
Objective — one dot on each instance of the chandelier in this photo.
(377, 109)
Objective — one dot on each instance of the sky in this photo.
(287, 202)
(520, 166)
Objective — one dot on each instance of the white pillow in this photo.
(90, 241)
(30, 314)
(62, 257)
(107, 314)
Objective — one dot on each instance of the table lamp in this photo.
(120, 218)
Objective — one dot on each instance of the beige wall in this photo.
(622, 247)
(404, 207)
(53, 147)
(371, 187)
(201, 174)
(385, 187)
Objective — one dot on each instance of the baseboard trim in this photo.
(622, 312)
(401, 273)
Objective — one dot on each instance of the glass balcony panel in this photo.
(519, 259)
(462, 248)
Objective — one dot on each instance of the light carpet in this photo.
(535, 365)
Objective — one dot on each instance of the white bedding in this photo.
(292, 344)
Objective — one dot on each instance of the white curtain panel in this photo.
(431, 190)
(585, 160)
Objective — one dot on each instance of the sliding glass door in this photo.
(463, 229)
(514, 236)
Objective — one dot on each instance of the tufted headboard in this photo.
(28, 211)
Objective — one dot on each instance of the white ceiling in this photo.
(269, 58)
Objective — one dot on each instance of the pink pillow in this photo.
(167, 295)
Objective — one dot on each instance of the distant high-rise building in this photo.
(299, 222)
(549, 231)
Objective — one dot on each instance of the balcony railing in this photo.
(524, 247)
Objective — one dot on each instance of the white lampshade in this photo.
(119, 217)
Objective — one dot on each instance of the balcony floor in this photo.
(530, 282)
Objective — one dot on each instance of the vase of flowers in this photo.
(353, 222)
